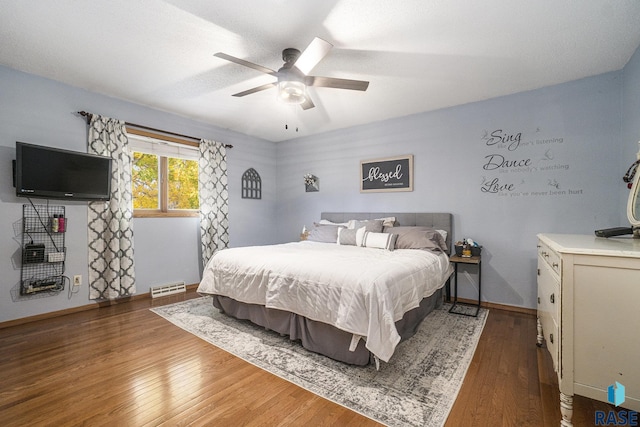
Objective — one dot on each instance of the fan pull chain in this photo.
(286, 122)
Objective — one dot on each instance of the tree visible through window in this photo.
(182, 184)
(144, 181)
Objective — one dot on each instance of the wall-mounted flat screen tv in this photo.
(53, 173)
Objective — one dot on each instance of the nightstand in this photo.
(477, 260)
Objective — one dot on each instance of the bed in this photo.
(351, 303)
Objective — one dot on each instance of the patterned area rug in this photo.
(416, 388)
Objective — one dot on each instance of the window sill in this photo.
(159, 214)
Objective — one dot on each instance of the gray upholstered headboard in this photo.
(437, 220)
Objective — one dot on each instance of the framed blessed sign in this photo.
(390, 174)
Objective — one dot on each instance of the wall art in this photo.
(311, 183)
(251, 184)
(388, 174)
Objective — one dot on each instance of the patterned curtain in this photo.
(214, 198)
(111, 272)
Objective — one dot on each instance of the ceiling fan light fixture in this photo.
(293, 77)
(292, 92)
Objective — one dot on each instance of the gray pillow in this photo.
(373, 225)
(323, 233)
(347, 237)
(419, 238)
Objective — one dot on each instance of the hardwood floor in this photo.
(123, 365)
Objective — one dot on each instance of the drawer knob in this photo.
(554, 265)
(552, 298)
(551, 338)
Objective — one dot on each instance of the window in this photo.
(164, 175)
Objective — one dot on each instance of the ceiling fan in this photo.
(293, 77)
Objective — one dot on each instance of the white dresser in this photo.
(589, 315)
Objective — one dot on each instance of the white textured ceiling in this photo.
(419, 55)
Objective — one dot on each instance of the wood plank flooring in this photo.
(123, 365)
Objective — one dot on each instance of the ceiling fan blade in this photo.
(336, 83)
(313, 54)
(255, 89)
(308, 103)
(246, 63)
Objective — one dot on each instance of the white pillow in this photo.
(327, 222)
(360, 235)
(443, 233)
(379, 240)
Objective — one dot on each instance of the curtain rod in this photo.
(89, 115)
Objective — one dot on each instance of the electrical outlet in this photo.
(77, 280)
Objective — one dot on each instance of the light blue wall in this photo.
(597, 119)
(41, 111)
(574, 125)
(630, 120)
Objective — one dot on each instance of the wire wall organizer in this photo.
(43, 249)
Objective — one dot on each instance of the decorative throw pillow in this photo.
(323, 233)
(389, 221)
(379, 240)
(346, 236)
(374, 225)
(360, 235)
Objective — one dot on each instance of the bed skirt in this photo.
(320, 337)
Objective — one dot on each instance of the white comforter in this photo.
(363, 291)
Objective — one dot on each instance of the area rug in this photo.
(416, 388)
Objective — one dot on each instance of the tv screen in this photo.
(53, 173)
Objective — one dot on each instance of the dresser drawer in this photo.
(551, 257)
(549, 305)
(552, 338)
(548, 291)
